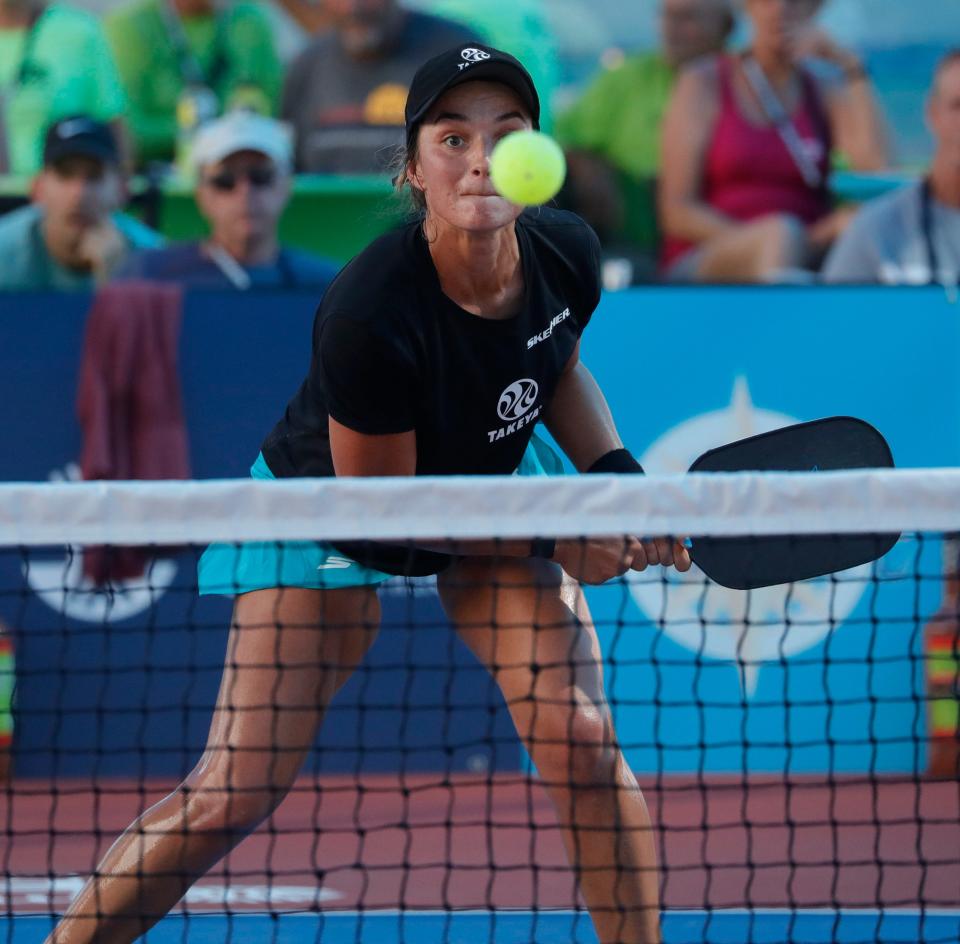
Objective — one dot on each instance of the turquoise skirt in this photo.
(229, 569)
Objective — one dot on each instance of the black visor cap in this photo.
(467, 64)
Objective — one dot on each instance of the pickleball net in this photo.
(796, 745)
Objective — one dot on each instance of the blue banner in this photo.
(700, 681)
(828, 675)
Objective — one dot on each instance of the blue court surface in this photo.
(526, 927)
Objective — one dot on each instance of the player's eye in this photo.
(453, 140)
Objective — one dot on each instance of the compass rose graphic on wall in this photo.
(743, 629)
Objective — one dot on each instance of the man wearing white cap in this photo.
(242, 162)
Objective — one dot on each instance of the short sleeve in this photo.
(592, 277)
(367, 381)
(854, 257)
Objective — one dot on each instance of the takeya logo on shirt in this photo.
(543, 335)
(515, 406)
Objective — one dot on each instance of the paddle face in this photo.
(748, 563)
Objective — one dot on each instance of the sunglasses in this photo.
(227, 180)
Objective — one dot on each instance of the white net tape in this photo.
(472, 507)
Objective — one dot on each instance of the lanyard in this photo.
(929, 241)
(238, 277)
(190, 69)
(926, 228)
(777, 114)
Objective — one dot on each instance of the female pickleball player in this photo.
(434, 352)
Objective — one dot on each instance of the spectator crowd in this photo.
(735, 139)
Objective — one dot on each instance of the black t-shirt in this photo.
(392, 353)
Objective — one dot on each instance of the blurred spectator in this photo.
(747, 142)
(243, 185)
(345, 93)
(614, 127)
(184, 61)
(913, 234)
(520, 27)
(54, 62)
(71, 234)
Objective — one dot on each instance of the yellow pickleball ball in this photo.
(528, 168)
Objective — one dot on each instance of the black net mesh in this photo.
(492, 754)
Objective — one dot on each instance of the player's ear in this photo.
(413, 175)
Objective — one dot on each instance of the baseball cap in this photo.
(467, 64)
(80, 136)
(241, 131)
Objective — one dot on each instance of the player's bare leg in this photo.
(534, 635)
(288, 653)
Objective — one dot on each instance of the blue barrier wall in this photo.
(684, 370)
(688, 370)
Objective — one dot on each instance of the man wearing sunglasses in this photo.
(242, 162)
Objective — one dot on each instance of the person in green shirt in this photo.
(192, 57)
(54, 62)
(613, 130)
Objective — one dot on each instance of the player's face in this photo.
(242, 197)
(453, 160)
(77, 193)
(944, 114)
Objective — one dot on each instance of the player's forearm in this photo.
(580, 420)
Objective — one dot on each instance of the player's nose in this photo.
(480, 157)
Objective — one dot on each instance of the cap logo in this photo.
(72, 127)
(472, 55)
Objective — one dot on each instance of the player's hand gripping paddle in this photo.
(746, 563)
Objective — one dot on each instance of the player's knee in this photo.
(575, 745)
(231, 808)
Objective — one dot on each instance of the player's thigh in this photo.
(532, 630)
(288, 651)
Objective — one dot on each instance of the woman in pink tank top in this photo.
(746, 151)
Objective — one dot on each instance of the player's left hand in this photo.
(669, 552)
